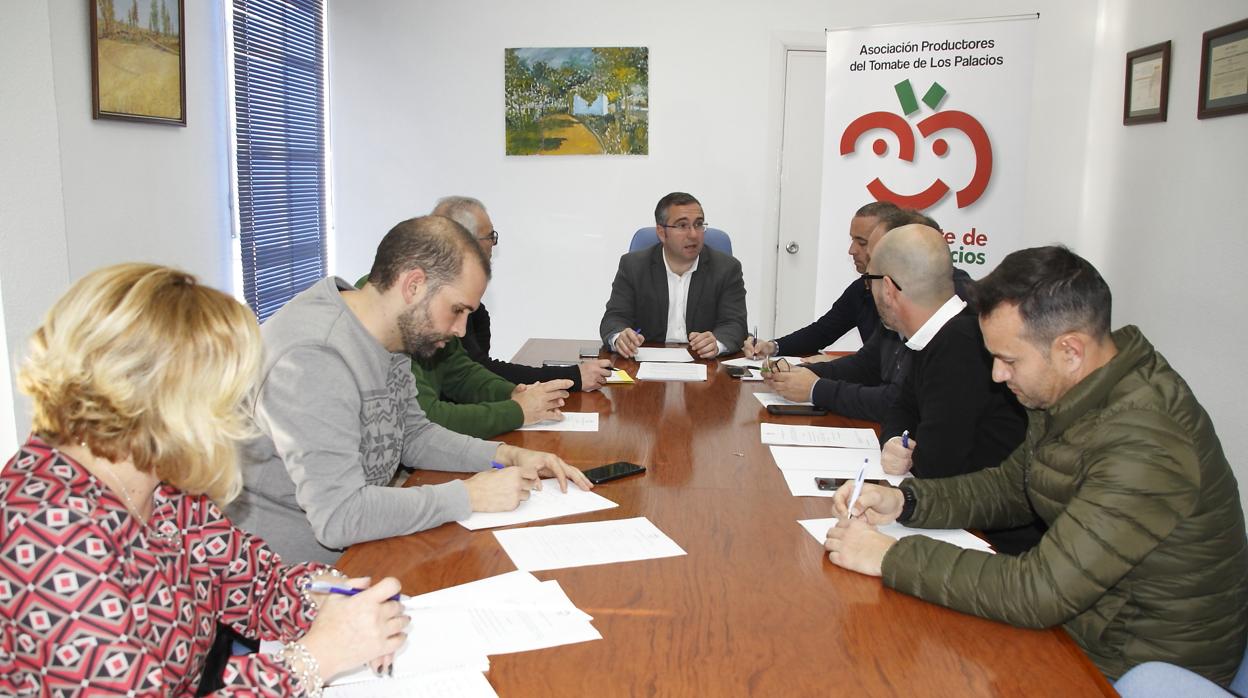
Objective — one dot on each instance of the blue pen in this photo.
(905, 438)
(327, 588)
(496, 465)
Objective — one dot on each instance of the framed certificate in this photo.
(1147, 90)
(1224, 71)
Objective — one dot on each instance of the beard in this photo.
(418, 339)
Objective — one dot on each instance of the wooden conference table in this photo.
(755, 608)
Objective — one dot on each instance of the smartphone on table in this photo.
(832, 484)
(613, 471)
(796, 411)
(737, 371)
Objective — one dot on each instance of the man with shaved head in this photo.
(955, 419)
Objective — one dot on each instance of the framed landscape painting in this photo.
(138, 65)
(577, 101)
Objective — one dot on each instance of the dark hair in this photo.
(1056, 291)
(435, 244)
(920, 218)
(676, 198)
(876, 209)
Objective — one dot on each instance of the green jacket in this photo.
(1145, 557)
(461, 394)
(464, 396)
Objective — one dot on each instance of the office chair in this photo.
(645, 237)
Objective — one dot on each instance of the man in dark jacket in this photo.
(587, 375)
(1145, 557)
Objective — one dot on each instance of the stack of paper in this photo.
(801, 465)
(546, 503)
(678, 354)
(572, 421)
(818, 528)
(453, 629)
(619, 375)
(841, 437)
(776, 399)
(593, 543)
(671, 372)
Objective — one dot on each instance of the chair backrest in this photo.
(645, 237)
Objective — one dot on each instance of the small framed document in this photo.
(1147, 91)
(1224, 71)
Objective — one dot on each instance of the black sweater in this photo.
(477, 343)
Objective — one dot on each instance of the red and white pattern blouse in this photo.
(94, 603)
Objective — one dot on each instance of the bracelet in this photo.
(305, 580)
(304, 667)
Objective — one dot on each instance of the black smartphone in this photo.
(831, 484)
(589, 351)
(737, 371)
(558, 362)
(795, 411)
(613, 471)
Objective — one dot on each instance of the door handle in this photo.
(792, 248)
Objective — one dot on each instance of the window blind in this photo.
(279, 103)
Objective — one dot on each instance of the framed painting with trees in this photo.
(577, 101)
(138, 62)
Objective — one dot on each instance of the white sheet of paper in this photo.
(572, 421)
(580, 544)
(546, 503)
(758, 363)
(776, 398)
(445, 641)
(671, 372)
(753, 375)
(841, 462)
(677, 354)
(802, 482)
(797, 435)
(512, 612)
(818, 529)
(462, 683)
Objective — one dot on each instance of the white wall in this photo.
(77, 194)
(1163, 210)
(416, 107)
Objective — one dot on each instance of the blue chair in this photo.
(645, 237)
(1162, 680)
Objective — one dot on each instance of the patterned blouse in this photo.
(94, 603)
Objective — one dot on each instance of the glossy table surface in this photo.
(755, 608)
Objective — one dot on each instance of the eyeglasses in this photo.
(867, 278)
(779, 366)
(492, 237)
(686, 226)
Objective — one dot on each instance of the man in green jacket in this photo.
(1145, 557)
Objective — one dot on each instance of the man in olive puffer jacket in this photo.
(1146, 556)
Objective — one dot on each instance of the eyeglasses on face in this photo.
(686, 226)
(492, 237)
(867, 278)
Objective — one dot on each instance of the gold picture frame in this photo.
(138, 60)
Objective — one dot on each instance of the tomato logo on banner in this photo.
(934, 124)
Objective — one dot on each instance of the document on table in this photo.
(594, 543)
(438, 640)
(677, 354)
(546, 503)
(512, 612)
(650, 371)
(460, 683)
(795, 435)
(572, 421)
(818, 528)
(758, 363)
(777, 399)
(619, 375)
(802, 482)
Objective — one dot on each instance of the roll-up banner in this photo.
(932, 117)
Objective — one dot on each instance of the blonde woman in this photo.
(116, 563)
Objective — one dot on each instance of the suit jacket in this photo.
(639, 297)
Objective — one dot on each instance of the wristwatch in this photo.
(908, 502)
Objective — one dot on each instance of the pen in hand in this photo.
(853, 495)
(328, 588)
(905, 438)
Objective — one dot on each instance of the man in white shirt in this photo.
(677, 291)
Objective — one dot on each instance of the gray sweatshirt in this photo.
(336, 414)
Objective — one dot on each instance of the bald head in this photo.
(917, 259)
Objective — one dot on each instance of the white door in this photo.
(801, 168)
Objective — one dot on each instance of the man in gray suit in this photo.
(679, 290)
